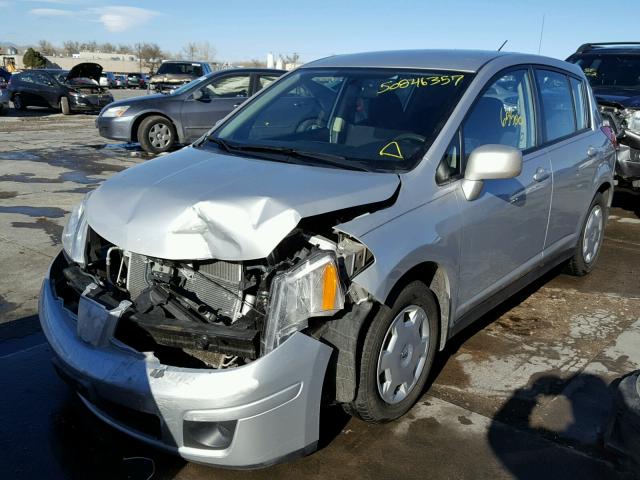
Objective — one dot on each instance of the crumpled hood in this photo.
(623, 97)
(172, 77)
(197, 204)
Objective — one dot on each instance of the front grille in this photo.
(218, 284)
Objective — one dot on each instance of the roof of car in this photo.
(462, 60)
(609, 48)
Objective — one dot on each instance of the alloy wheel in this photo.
(160, 135)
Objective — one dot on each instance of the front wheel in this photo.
(397, 356)
(591, 237)
(18, 104)
(64, 106)
(156, 134)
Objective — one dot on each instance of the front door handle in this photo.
(541, 175)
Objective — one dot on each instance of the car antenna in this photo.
(503, 44)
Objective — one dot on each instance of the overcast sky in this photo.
(250, 29)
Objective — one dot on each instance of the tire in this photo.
(64, 106)
(370, 405)
(18, 104)
(591, 234)
(156, 134)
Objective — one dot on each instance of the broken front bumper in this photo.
(250, 416)
(628, 165)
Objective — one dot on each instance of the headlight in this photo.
(74, 235)
(115, 111)
(310, 289)
(632, 119)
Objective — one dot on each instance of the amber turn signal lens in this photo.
(329, 286)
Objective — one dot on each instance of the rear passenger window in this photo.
(266, 80)
(557, 104)
(580, 102)
(503, 115)
(229, 87)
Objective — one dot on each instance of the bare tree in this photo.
(150, 55)
(254, 63)
(89, 46)
(124, 49)
(46, 48)
(106, 47)
(189, 51)
(292, 59)
(71, 47)
(206, 51)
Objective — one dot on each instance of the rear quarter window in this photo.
(557, 104)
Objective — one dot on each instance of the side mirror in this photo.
(200, 96)
(490, 162)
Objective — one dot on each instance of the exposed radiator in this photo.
(220, 289)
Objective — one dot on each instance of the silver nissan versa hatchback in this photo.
(320, 244)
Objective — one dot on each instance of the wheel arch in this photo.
(606, 188)
(143, 116)
(435, 277)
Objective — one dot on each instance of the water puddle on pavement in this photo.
(49, 212)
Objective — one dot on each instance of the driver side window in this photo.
(229, 87)
(502, 115)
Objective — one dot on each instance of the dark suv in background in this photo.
(173, 73)
(613, 69)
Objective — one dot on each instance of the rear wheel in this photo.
(18, 104)
(64, 106)
(397, 356)
(156, 134)
(591, 237)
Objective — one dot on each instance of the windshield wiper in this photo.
(317, 157)
(221, 143)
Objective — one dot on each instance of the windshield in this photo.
(180, 68)
(188, 86)
(61, 77)
(373, 119)
(611, 70)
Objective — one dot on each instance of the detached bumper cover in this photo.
(268, 409)
(628, 165)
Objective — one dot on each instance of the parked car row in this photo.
(321, 243)
(130, 80)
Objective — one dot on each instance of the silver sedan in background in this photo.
(180, 116)
(322, 244)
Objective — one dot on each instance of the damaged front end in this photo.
(212, 313)
(212, 359)
(625, 123)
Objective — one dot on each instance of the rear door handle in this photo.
(592, 151)
(541, 175)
